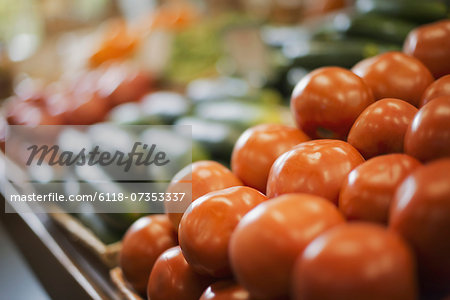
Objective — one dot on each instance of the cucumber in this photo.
(374, 26)
(216, 89)
(92, 179)
(237, 113)
(217, 138)
(165, 106)
(414, 10)
(160, 108)
(344, 53)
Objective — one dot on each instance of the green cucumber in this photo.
(217, 138)
(238, 113)
(160, 108)
(422, 11)
(345, 53)
(374, 26)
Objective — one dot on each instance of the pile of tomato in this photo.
(354, 203)
(83, 99)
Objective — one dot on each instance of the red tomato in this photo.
(327, 102)
(225, 290)
(207, 225)
(173, 279)
(395, 75)
(143, 242)
(4, 129)
(258, 147)
(270, 237)
(196, 180)
(421, 214)
(381, 127)
(31, 114)
(440, 87)
(87, 108)
(428, 136)
(122, 83)
(431, 44)
(316, 167)
(354, 262)
(370, 187)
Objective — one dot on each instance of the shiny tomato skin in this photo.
(428, 135)
(196, 180)
(316, 167)
(369, 189)
(420, 212)
(353, 262)
(258, 147)
(270, 237)
(430, 43)
(440, 87)
(143, 242)
(172, 278)
(225, 290)
(381, 127)
(395, 75)
(207, 225)
(327, 101)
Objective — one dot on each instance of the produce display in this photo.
(354, 203)
(318, 166)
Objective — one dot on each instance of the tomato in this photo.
(421, 214)
(4, 130)
(321, 7)
(327, 101)
(316, 167)
(270, 237)
(440, 87)
(225, 290)
(395, 75)
(355, 261)
(258, 147)
(122, 83)
(370, 187)
(143, 242)
(431, 44)
(87, 108)
(381, 127)
(31, 114)
(173, 279)
(207, 225)
(428, 136)
(196, 180)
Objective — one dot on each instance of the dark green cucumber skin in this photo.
(344, 53)
(380, 27)
(421, 11)
(218, 147)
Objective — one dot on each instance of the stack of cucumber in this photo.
(372, 27)
(218, 110)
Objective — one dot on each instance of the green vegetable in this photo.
(345, 53)
(217, 138)
(238, 113)
(374, 26)
(423, 11)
